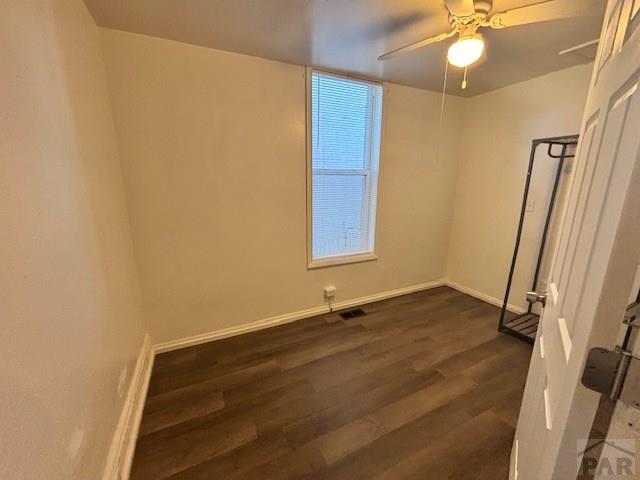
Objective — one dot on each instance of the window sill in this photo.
(342, 260)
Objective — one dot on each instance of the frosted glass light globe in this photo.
(465, 51)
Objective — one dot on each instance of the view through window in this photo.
(345, 136)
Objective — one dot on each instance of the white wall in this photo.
(213, 150)
(495, 141)
(70, 310)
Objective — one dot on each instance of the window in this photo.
(345, 149)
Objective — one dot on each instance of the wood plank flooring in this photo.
(423, 386)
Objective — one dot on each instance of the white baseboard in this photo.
(483, 296)
(239, 330)
(124, 439)
(376, 297)
(287, 318)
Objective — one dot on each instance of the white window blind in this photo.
(345, 135)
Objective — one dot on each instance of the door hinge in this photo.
(614, 373)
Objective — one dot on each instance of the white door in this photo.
(594, 261)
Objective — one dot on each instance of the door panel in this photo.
(594, 263)
(584, 171)
(608, 39)
(592, 211)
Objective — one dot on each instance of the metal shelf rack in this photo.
(525, 326)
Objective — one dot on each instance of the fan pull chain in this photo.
(444, 91)
(464, 78)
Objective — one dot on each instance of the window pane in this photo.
(338, 216)
(340, 116)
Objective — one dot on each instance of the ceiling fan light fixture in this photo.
(466, 51)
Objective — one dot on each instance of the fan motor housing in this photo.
(483, 6)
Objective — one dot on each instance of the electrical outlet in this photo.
(329, 292)
(122, 379)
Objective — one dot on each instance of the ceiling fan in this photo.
(466, 17)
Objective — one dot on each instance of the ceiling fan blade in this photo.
(460, 8)
(539, 12)
(414, 46)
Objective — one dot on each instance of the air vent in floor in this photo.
(349, 314)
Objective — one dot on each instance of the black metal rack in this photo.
(525, 325)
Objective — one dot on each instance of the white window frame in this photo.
(372, 182)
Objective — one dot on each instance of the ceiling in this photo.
(349, 35)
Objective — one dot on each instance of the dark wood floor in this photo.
(421, 387)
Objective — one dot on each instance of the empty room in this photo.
(319, 239)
